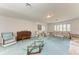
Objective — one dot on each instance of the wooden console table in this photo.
(23, 35)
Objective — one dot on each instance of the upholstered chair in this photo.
(8, 38)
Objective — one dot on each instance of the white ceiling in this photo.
(39, 11)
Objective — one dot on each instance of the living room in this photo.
(52, 23)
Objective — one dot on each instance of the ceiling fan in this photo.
(28, 5)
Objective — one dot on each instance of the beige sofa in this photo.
(60, 34)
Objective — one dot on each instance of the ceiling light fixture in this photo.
(49, 15)
(28, 5)
(56, 19)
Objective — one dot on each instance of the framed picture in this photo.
(39, 27)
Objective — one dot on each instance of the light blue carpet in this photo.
(53, 46)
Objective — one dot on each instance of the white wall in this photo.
(50, 27)
(74, 25)
(8, 24)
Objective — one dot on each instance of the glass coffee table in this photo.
(35, 47)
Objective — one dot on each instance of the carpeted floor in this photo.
(53, 46)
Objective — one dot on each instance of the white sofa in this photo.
(7, 39)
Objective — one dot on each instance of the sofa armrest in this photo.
(1, 40)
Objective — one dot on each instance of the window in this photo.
(55, 27)
(68, 27)
(62, 27)
(58, 27)
(43, 28)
